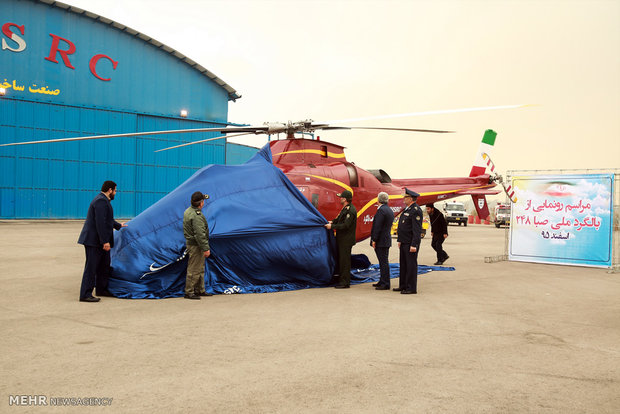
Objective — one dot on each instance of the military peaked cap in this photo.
(411, 193)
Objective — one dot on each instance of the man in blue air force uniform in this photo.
(381, 239)
(409, 237)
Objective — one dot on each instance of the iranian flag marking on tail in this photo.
(480, 164)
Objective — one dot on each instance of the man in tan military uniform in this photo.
(196, 231)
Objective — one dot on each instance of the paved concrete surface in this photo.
(486, 338)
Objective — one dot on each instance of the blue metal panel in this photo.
(70, 177)
(40, 173)
(74, 207)
(238, 154)
(60, 180)
(7, 172)
(7, 202)
(147, 79)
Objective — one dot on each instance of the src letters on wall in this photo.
(564, 219)
(14, 39)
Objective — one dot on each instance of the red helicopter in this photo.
(320, 170)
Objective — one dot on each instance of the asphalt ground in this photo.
(501, 337)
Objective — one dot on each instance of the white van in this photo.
(455, 213)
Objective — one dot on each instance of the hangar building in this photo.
(66, 72)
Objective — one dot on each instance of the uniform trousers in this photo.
(195, 279)
(96, 271)
(344, 263)
(384, 265)
(408, 278)
(437, 245)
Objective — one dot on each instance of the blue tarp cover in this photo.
(371, 274)
(265, 236)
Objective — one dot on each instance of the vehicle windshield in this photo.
(455, 207)
(505, 211)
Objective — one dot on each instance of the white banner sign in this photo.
(563, 219)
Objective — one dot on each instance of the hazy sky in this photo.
(330, 60)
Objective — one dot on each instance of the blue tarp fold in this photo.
(265, 236)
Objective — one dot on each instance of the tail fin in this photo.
(480, 202)
(480, 165)
(479, 168)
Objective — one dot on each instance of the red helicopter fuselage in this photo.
(320, 170)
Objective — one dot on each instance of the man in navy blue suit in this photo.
(381, 239)
(409, 238)
(97, 236)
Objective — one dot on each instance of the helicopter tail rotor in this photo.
(499, 179)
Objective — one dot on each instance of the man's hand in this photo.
(374, 245)
(399, 245)
(328, 226)
(208, 253)
(445, 235)
(106, 247)
(123, 224)
(413, 249)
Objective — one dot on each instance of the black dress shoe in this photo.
(447, 257)
(105, 293)
(407, 292)
(382, 288)
(342, 286)
(376, 284)
(205, 294)
(437, 263)
(90, 299)
(192, 296)
(397, 289)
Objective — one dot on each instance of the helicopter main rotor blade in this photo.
(203, 140)
(249, 130)
(444, 111)
(406, 129)
(276, 128)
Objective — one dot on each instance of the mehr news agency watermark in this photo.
(45, 401)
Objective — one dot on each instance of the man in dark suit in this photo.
(344, 224)
(97, 236)
(439, 232)
(381, 239)
(409, 237)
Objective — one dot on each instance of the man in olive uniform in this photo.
(409, 237)
(196, 232)
(344, 225)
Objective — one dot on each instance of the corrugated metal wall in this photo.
(147, 79)
(146, 92)
(59, 180)
(238, 154)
